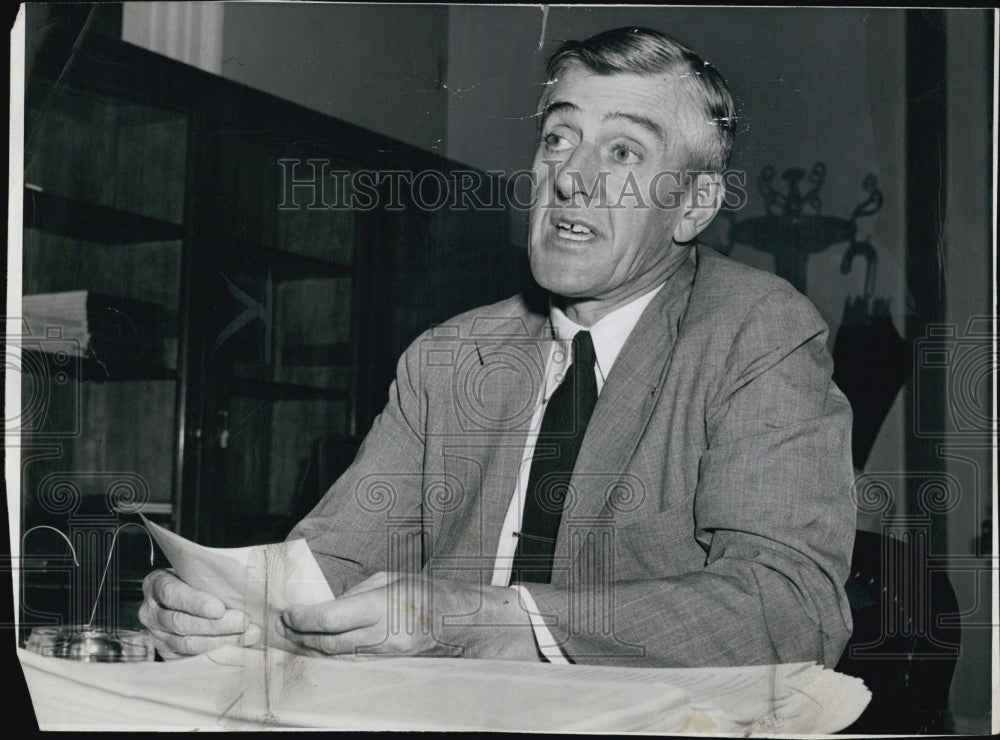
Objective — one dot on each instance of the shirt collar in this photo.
(609, 333)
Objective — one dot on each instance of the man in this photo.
(648, 464)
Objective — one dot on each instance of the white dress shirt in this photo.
(608, 335)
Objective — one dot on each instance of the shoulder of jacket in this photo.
(727, 282)
(517, 316)
(727, 293)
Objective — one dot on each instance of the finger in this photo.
(340, 615)
(344, 643)
(232, 621)
(166, 653)
(378, 580)
(172, 646)
(299, 649)
(171, 592)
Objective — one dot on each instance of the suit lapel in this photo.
(514, 354)
(623, 410)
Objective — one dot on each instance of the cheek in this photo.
(627, 223)
(538, 179)
(637, 234)
(540, 195)
(544, 168)
(667, 191)
(535, 225)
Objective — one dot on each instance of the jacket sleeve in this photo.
(772, 508)
(378, 497)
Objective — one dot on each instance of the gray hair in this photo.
(644, 51)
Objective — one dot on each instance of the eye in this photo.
(555, 143)
(624, 154)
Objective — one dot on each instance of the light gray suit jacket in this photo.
(710, 520)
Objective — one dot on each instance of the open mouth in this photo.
(574, 231)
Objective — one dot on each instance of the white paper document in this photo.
(262, 580)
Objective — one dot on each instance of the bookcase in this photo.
(225, 326)
(105, 282)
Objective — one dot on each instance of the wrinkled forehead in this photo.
(670, 96)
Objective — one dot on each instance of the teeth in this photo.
(575, 228)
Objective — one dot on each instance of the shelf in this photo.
(337, 354)
(291, 266)
(128, 587)
(42, 577)
(286, 266)
(81, 219)
(273, 391)
(89, 369)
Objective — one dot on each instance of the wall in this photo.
(189, 32)
(377, 66)
(967, 251)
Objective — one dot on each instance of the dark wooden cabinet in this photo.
(266, 316)
(106, 283)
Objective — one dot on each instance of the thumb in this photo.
(251, 636)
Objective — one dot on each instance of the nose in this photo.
(577, 175)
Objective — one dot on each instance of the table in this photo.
(245, 688)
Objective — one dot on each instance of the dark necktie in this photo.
(559, 439)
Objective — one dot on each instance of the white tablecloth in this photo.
(247, 688)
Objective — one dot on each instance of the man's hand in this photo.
(412, 614)
(185, 621)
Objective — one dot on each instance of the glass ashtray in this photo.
(91, 644)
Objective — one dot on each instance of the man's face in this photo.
(605, 138)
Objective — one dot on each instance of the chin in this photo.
(562, 281)
(564, 272)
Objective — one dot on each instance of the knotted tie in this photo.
(559, 439)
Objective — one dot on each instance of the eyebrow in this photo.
(645, 123)
(557, 107)
(648, 124)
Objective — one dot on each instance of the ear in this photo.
(702, 201)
